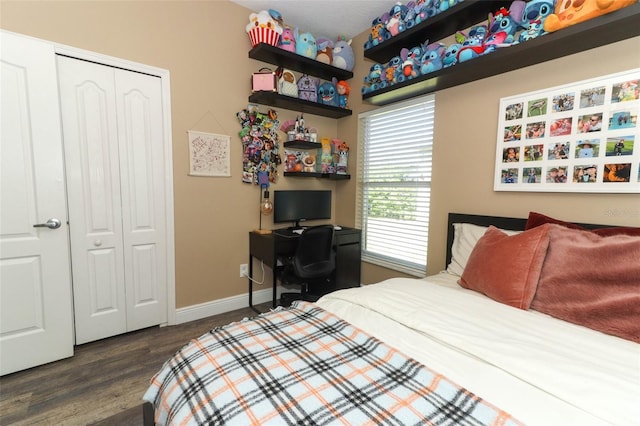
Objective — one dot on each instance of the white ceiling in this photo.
(324, 18)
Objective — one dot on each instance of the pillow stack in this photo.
(582, 276)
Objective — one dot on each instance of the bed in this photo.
(550, 344)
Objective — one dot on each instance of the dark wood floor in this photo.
(104, 381)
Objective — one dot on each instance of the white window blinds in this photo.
(394, 184)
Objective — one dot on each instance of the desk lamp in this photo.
(266, 206)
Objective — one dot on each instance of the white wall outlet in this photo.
(244, 270)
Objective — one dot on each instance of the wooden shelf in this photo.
(616, 26)
(288, 102)
(330, 176)
(458, 17)
(302, 144)
(283, 58)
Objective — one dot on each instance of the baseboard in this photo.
(220, 306)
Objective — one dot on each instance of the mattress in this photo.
(542, 370)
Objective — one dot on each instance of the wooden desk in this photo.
(269, 247)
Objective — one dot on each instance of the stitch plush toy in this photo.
(395, 24)
(411, 61)
(432, 58)
(377, 34)
(533, 16)
(327, 93)
(471, 44)
(450, 56)
(567, 14)
(305, 44)
(343, 57)
(508, 21)
(373, 79)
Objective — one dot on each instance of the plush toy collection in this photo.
(523, 21)
(268, 27)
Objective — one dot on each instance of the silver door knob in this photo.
(51, 224)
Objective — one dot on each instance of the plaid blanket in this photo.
(306, 366)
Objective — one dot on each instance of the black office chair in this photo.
(311, 266)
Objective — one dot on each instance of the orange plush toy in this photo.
(570, 12)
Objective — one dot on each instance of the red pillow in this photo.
(591, 280)
(507, 268)
(537, 219)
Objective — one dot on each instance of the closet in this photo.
(112, 133)
(86, 225)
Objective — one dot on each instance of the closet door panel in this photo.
(93, 179)
(139, 104)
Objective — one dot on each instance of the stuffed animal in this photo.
(307, 88)
(343, 56)
(325, 50)
(393, 72)
(411, 61)
(533, 16)
(509, 21)
(377, 34)
(395, 24)
(373, 79)
(450, 56)
(471, 44)
(305, 44)
(262, 28)
(343, 92)
(287, 40)
(567, 13)
(327, 93)
(431, 59)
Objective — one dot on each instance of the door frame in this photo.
(164, 76)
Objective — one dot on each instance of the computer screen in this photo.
(300, 205)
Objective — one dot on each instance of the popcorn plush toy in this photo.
(263, 28)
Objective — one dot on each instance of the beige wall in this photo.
(207, 58)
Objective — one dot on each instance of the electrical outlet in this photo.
(244, 270)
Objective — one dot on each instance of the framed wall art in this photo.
(209, 154)
(582, 137)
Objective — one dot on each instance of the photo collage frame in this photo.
(582, 137)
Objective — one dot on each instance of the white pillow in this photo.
(465, 237)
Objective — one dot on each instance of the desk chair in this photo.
(311, 266)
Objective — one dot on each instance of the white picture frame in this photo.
(209, 154)
(587, 131)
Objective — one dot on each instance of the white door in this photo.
(36, 322)
(114, 149)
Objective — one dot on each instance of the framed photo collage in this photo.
(582, 137)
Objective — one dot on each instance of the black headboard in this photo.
(511, 223)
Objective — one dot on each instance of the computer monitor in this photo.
(300, 205)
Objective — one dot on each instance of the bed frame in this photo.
(516, 224)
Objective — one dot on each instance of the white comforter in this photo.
(542, 370)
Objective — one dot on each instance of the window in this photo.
(394, 184)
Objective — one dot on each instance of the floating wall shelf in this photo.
(616, 26)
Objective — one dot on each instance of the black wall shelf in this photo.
(456, 18)
(288, 102)
(283, 58)
(302, 144)
(330, 176)
(616, 26)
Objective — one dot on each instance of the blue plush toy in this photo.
(395, 23)
(432, 58)
(377, 34)
(411, 61)
(533, 16)
(508, 21)
(450, 56)
(305, 44)
(328, 93)
(343, 57)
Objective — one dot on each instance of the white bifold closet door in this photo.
(114, 157)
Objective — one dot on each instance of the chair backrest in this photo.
(315, 257)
